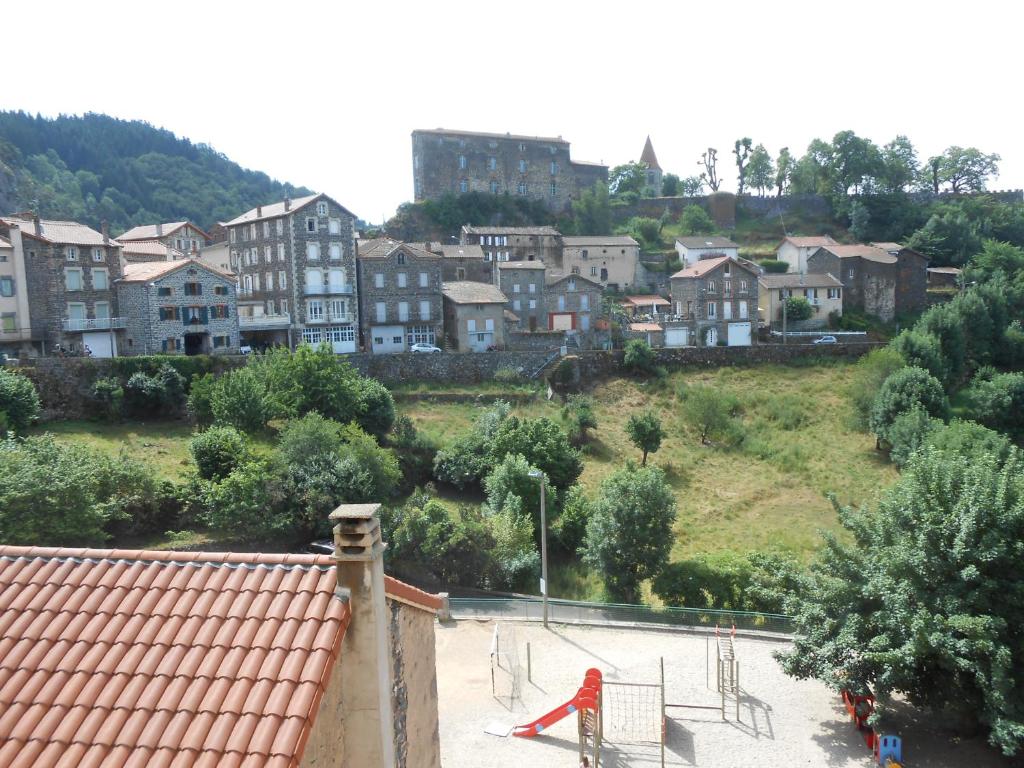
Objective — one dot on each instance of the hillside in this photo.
(94, 167)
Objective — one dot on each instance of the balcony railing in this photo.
(328, 290)
(338, 317)
(95, 324)
(256, 322)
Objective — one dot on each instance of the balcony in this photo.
(329, 290)
(95, 324)
(263, 322)
(339, 317)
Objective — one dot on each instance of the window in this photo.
(310, 224)
(743, 310)
(712, 310)
(554, 168)
(515, 287)
(488, 324)
(271, 309)
(424, 310)
(313, 251)
(585, 301)
(266, 229)
(401, 259)
(402, 278)
(494, 188)
(252, 231)
(321, 208)
(284, 305)
(521, 188)
(834, 293)
(850, 274)
(522, 166)
(572, 284)
(168, 313)
(382, 312)
(727, 268)
(593, 271)
(280, 227)
(220, 312)
(100, 280)
(256, 281)
(424, 280)
(193, 289)
(533, 288)
(782, 294)
(727, 286)
(561, 302)
(219, 342)
(314, 279)
(471, 325)
(8, 322)
(743, 286)
(517, 305)
(460, 273)
(464, 186)
(403, 311)
(727, 310)
(73, 279)
(314, 310)
(522, 147)
(280, 251)
(268, 280)
(421, 334)
(194, 315)
(334, 226)
(711, 286)
(71, 253)
(220, 290)
(247, 284)
(533, 303)
(98, 255)
(6, 286)
(492, 163)
(234, 235)
(282, 280)
(554, 191)
(335, 251)
(462, 162)
(575, 270)
(171, 345)
(268, 254)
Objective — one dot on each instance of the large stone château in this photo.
(534, 167)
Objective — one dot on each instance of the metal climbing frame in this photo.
(728, 669)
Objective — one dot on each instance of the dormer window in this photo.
(727, 267)
(401, 259)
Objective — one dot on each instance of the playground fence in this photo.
(573, 612)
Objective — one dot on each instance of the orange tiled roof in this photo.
(114, 657)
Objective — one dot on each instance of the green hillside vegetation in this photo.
(93, 168)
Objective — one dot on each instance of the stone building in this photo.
(537, 168)
(524, 284)
(911, 278)
(794, 250)
(573, 303)
(140, 251)
(610, 260)
(715, 302)
(463, 262)
(178, 308)
(69, 270)
(653, 177)
(182, 236)
(823, 292)
(15, 323)
(474, 316)
(399, 296)
(693, 249)
(880, 282)
(515, 243)
(296, 266)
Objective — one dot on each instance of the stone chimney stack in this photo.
(287, 203)
(259, 211)
(105, 231)
(159, 230)
(366, 696)
(37, 225)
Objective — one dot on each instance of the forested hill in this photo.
(94, 168)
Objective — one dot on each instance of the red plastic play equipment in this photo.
(587, 698)
(887, 750)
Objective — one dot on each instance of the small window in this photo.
(313, 251)
(521, 189)
(268, 254)
(378, 280)
(282, 279)
(533, 303)
(522, 147)
(193, 289)
(533, 288)
(554, 189)
(168, 313)
(522, 166)
(280, 251)
(163, 291)
(334, 226)
(402, 279)
(849, 274)
(98, 255)
(464, 186)
(494, 187)
(584, 253)
(554, 168)
(220, 290)
(321, 208)
(712, 309)
(100, 280)
(492, 163)
(73, 279)
(335, 251)
(401, 259)
(220, 312)
(6, 286)
(424, 310)
(517, 304)
(403, 311)
(711, 286)
(576, 270)
(310, 224)
(515, 288)
(266, 229)
(71, 253)
(462, 162)
(171, 345)
(593, 271)
(424, 280)
(280, 227)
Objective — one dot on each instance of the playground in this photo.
(538, 679)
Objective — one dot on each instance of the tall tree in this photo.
(670, 185)
(967, 169)
(742, 149)
(783, 170)
(760, 171)
(645, 433)
(710, 173)
(691, 186)
(899, 165)
(856, 163)
(592, 213)
(628, 177)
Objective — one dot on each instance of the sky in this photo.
(326, 95)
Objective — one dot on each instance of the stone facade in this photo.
(187, 308)
(711, 297)
(573, 303)
(524, 284)
(515, 243)
(463, 262)
(610, 260)
(182, 236)
(474, 317)
(911, 282)
(296, 262)
(869, 276)
(400, 297)
(537, 168)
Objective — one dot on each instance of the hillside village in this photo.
(292, 490)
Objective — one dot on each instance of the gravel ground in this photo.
(783, 722)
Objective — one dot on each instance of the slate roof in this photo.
(61, 232)
(648, 156)
(811, 241)
(148, 231)
(795, 280)
(945, 270)
(868, 252)
(382, 247)
(472, 230)
(709, 241)
(143, 272)
(150, 248)
(468, 292)
(124, 658)
(553, 278)
(516, 136)
(595, 240)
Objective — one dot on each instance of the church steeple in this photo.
(649, 157)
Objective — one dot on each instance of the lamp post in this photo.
(536, 474)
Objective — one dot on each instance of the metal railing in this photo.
(328, 290)
(573, 612)
(95, 324)
(266, 321)
(328, 317)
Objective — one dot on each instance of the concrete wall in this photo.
(414, 698)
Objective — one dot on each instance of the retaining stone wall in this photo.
(445, 367)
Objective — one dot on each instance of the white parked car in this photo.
(826, 340)
(421, 347)
(245, 349)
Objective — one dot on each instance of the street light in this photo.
(536, 474)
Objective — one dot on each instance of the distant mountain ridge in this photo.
(94, 168)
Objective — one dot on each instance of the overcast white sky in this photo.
(326, 94)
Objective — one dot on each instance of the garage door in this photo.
(677, 337)
(561, 322)
(100, 344)
(387, 339)
(739, 334)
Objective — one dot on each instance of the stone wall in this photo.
(446, 367)
(525, 341)
(414, 696)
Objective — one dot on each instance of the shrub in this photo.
(465, 462)
(454, 549)
(904, 390)
(19, 400)
(514, 561)
(510, 488)
(172, 386)
(542, 444)
(143, 395)
(240, 399)
(638, 357)
(414, 451)
(578, 415)
(798, 308)
(508, 376)
(200, 399)
(218, 451)
(908, 432)
(923, 351)
(694, 220)
(773, 266)
(998, 403)
(109, 396)
(376, 413)
(709, 411)
(971, 440)
(869, 374)
(947, 326)
(727, 580)
(570, 527)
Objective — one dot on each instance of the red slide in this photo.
(586, 698)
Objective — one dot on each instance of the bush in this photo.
(510, 488)
(144, 395)
(710, 413)
(376, 414)
(200, 399)
(869, 374)
(694, 220)
(542, 444)
(172, 386)
(109, 397)
(508, 376)
(909, 432)
(240, 399)
(638, 357)
(947, 326)
(218, 451)
(19, 400)
(645, 433)
(773, 266)
(514, 561)
(998, 403)
(904, 390)
(465, 462)
(798, 308)
(726, 580)
(570, 527)
(923, 351)
(454, 549)
(578, 415)
(971, 440)
(414, 451)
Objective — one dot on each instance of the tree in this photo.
(542, 444)
(628, 177)
(947, 326)
(926, 600)
(870, 372)
(645, 432)
(709, 175)
(638, 357)
(783, 170)
(644, 229)
(510, 489)
(669, 185)
(760, 171)
(994, 261)
(578, 414)
(464, 463)
(966, 169)
(904, 390)
(694, 220)
(949, 238)
(774, 266)
(709, 411)
(855, 164)
(19, 400)
(921, 350)
(741, 149)
(798, 308)
(691, 186)
(240, 399)
(592, 213)
(217, 451)
(376, 411)
(908, 433)
(998, 403)
(899, 165)
(629, 534)
(860, 220)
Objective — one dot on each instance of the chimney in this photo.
(159, 230)
(37, 225)
(105, 230)
(259, 211)
(287, 203)
(366, 695)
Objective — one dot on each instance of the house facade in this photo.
(474, 316)
(523, 282)
(400, 296)
(461, 262)
(795, 250)
(532, 167)
(573, 303)
(515, 243)
(139, 251)
(876, 281)
(178, 308)
(715, 303)
(610, 260)
(693, 249)
(69, 270)
(911, 278)
(15, 322)
(182, 236)
(823, 292)
(296, 267)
